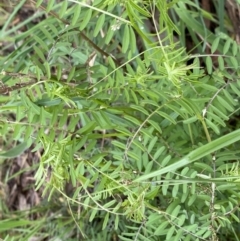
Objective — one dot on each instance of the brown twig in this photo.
(6, 89)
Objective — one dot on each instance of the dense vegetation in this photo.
(119, 120)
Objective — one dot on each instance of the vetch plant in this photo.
(138, 128)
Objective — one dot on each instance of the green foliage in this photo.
(143, 135)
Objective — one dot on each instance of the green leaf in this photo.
(119, 144)
(48, 69)
(235, 217)
(76, 14)
(216, 118)
(111, 62)
(235, 48)
(155, 125)
(15, 151)
(192, 199)
(175, 192)
(213, 126)
(190, 120)
(63, 119)
(149, 167)
(99, 25)
(203, 166)
(39, 2)
(29, 131)
(125, 39)
(132, 119)
(165, 161)
(140, 9)
(109, 204)
(219, 113)
(161, 228)
(181, 219)
(93, 214)
(18, 130)
(10, 224)
(106, 167)
(109, 35)
(166, 116)
(224, 103)
(152, 144)
(200, 152)
(124, 238)
(132, 41)
(140, 109)
(158, 152)
(116, 221)
(215, 44)
(63, 8)
(235, 89)
(209, 64)
(105, 221)
(139, 145)
(170, 233)
(133, 155)
(176, 210)
(71, 74)
(39, 53)
(186, 105)
(86, 19)
(136, 99)
(227, 46)
(41, 42)
(88, 127)
(234, 62)
(229, 97)
(221, 63)
(50, 5)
